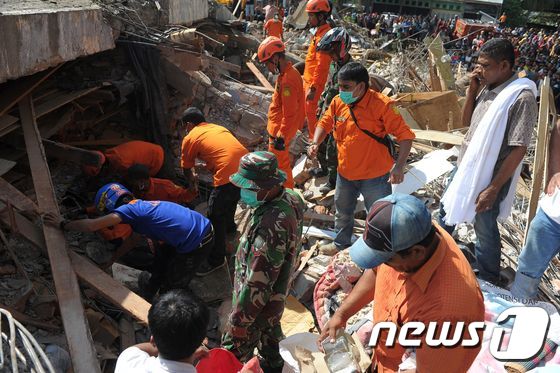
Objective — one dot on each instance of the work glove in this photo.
(279, 143)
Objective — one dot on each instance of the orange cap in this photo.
(316, 6)
(93, 170)
(268, 47)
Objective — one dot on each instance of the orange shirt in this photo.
(317, 65)
(122, 156)
(273, 27)
(286, 113)
(166, 190)
(216, 146)
(359, 156)
(443, 289)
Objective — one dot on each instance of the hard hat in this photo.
(317, 6)
(109, 196)
(268, 47)
(335, 35)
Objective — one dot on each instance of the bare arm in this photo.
(468, 107)
(92, 225)
(553, 181)
(359, 297)
(189, 175)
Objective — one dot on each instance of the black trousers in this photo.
(173, 270)
(221, 212)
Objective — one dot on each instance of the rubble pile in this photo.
(138, 91)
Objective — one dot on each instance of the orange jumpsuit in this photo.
(166, 190)
(273, 27)
(286, 115)
(315, 75)
(122, 156)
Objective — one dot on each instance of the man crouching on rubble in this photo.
(178, 325)
(187, 236)
(414, 272)
(266, 258)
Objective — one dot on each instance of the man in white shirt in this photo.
(543, 237)
(178, 324)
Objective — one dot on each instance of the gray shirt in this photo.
(522, 118)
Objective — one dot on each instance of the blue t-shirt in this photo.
(174, 224)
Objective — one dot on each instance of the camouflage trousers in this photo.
(265, 337)
(327, 156)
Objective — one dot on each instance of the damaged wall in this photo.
(36, 35)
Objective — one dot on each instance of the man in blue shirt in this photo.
(185, 236)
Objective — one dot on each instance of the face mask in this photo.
(250, 198)
(347, 97)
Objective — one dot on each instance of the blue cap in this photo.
(394, 223)
(110, 195)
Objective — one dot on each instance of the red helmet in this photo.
(268, 47)
(317, 6)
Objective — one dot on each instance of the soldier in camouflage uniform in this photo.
(336, 42)
(265, 260)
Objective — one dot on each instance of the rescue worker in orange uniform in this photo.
(221, 151)
(286, 113)
(273, 27)
(153, 189)
(317, 65)
(121, 157)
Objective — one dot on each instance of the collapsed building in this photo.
(79, 76)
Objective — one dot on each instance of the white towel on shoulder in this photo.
(477, 165)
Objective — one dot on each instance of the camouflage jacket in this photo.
(265, 261)
(331, 88)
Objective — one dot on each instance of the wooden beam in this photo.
(540, 151)
(6, 165)
(259, 75)
(108, 287)
(222, 64)
(13, 91)
(80, 343)
(71, 153)
(101, 282)
(438, 136)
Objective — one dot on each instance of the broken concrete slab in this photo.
(37, 34)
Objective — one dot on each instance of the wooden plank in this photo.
(70, 153)
(10, 194)
(61, 100)
(438, 136)
(6, 165)
(540, 151)
(7, 120)
(222, 64)
(259, 75)
(120, 296)
(433, 113)
(259, 88)
(109, 288)
(80, 343)
(15, 90)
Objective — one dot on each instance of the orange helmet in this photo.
(268, 47)
(317, 6)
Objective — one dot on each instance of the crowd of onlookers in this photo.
(537, 50)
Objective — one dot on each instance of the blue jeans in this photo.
(488, 245)
(543, 243)
(346, 198)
